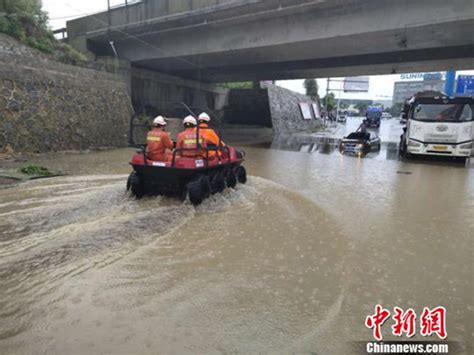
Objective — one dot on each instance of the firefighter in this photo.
(188, 140)
(159, 143)
(212, 139)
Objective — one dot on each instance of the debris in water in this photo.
(36, 170)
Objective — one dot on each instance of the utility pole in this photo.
(327, 97)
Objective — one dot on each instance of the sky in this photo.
(61, 11)
(380, 88)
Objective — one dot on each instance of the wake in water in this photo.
(65, 241)
(57, 228)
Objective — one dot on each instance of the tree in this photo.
(25, 21)
(239, 85)
(311, 87)
(343, 105)
(330, 101)
(396, 109)
(362, 107)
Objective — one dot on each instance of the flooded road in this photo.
(291, 262)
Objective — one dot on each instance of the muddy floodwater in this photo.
(293, 261)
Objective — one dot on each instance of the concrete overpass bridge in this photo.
(234, 40)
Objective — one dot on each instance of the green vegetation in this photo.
(25, 21)
(396, 109)
(36, 171)
(329, 101)
(311, 87)
(343, 105)
(362, 106)
(239, 85)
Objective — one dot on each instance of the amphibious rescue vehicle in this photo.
(195, 177)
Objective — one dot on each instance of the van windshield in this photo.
(443, 113)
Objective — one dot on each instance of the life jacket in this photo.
(187, 140)
(210, 137)
(158, 144)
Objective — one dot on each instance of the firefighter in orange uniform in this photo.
(159, 143)
(212, 139)
(188, 140)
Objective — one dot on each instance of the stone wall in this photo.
(285, 111)
(49, 106)
(271, 106)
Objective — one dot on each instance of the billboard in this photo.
(356, 84)
(306, 111)
(465, 85)
(423, 76)
(316, 111)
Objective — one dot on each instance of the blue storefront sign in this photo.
(465, 85)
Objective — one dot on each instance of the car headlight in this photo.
(466, 146)
(414, 144)
(360, 146)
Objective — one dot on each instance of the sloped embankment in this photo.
(49, 106)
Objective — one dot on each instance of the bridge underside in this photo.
(431, 59)
(299, 40)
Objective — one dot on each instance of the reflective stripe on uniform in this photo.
(191, 141)
(153, 139)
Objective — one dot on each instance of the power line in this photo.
(71, 16)
(112, 28)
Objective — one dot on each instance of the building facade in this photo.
(405, 89)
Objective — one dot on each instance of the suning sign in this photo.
(423, 76)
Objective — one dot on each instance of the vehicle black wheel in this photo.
(199, 189)
(183, 195)
(218, 183)
(241, 174)
(205, 186)
(401, 148)
(195, 193)
(129, 181)
(231, 179)
(405, 153)
(136, 185)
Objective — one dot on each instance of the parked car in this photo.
(341, 118)
(386, 115)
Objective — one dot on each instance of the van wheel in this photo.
(402, 149)
(136, 185)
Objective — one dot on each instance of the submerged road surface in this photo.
(293, 261)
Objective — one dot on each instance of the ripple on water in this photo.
(106, 258)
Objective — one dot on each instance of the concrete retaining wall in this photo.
(270, 106)
(248, 107)
(286, 113)
(155, 92)
(49, 106)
